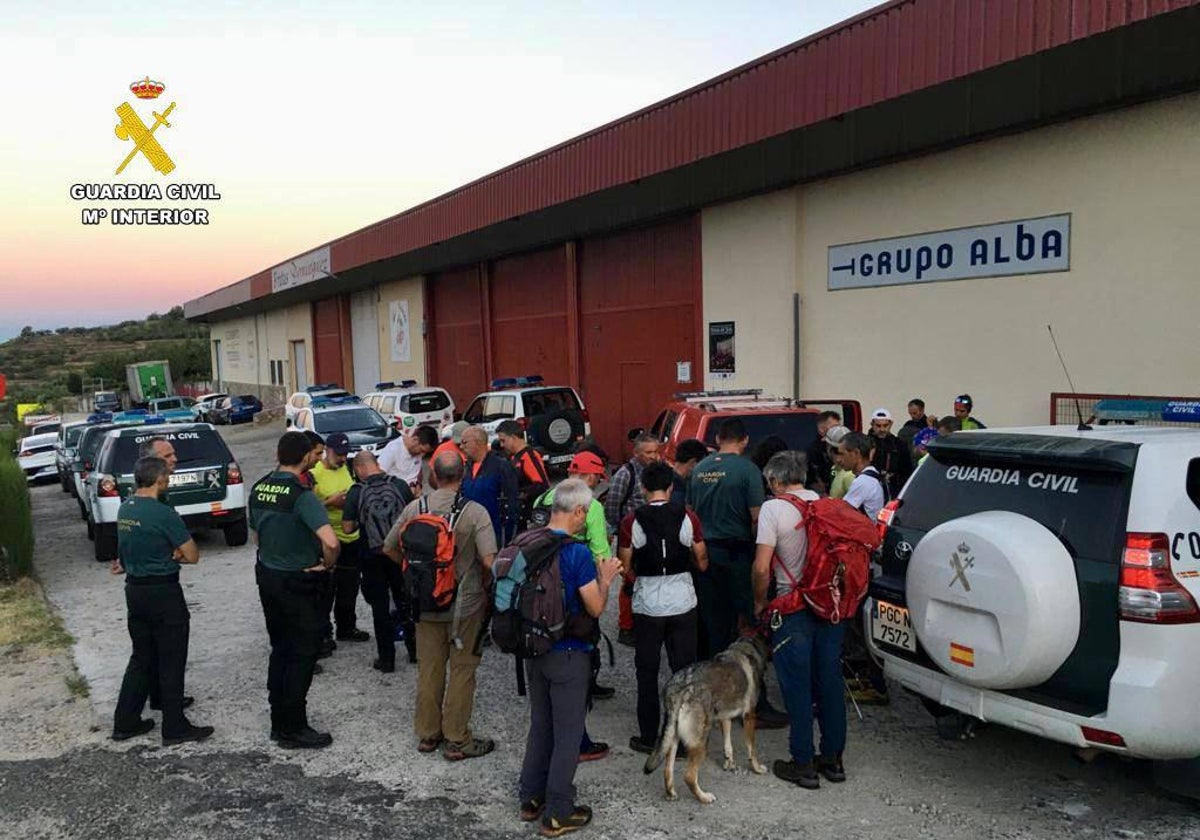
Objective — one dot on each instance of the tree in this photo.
(26, 332)
(74, 383)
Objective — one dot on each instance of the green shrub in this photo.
(16, 526)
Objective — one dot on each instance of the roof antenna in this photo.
(1082, 427)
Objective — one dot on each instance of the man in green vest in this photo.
(296, 549)
(152, 542)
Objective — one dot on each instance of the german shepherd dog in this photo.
(725, 687)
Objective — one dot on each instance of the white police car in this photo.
(363, 426)
(206, 488)
(408, 405)
(304, 399)
(1048, 579)
(553, 416)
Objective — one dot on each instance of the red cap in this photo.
(586, 463)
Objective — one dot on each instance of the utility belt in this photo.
(152, 580)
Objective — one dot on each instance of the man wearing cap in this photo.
(820, 466)
(842, 478)
(891, 457)
(331, 482)
(451, 442)
(962, 410)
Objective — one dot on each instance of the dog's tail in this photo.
(666, 735)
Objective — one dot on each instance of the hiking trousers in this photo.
(558, 689)
(446, 679)
(650, 634)
(808, 661)
(159, 626)
(291, 603)
(725, 591)
(340, 593)
(383, 585)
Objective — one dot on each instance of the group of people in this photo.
(691, 543)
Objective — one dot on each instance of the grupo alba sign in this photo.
(312, 266)
(1026, 246)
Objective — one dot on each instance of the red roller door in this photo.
(528, 297)
(331, 341)
(639, 298)
(456, 313)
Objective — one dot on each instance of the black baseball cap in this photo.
(339, 443)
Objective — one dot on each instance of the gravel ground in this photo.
(904, 782)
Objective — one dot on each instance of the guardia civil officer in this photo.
(152, 542)
(296, 549)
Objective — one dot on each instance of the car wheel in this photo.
(106, 543)
(557, 431)
(237, 533)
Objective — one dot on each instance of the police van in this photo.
(206, 488)
(1048, 579)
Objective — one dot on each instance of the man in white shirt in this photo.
(662, 543)
(867, 490)
(403, 456)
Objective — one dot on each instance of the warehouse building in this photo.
(897, 206)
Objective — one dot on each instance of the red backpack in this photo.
(836, 569)
(428, 563)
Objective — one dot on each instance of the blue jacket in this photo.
(494, 485)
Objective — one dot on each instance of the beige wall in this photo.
(238, 350)
(1127, 314)
(412, 290)
(249, 344)
(751, 246)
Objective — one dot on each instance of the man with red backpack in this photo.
(445, 545)
(818, 552)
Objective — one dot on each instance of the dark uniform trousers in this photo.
(291, 603)
(158, 621)
(383, 585)
(340, 593)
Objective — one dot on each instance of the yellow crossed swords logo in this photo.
(132, 128)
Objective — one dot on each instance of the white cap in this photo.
(881, 414)
(835, 434)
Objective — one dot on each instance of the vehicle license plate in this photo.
(891, 625)
(184, 479)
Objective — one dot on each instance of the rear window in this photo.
(493, 407)
(72, 435)
(38, 449)
(424, 402)
(798, 429)
(193, 447)
(350, 420)
(167, 405)
(544, 402)
(1086, 510)
(89, 443)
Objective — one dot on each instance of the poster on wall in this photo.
(720, 348)
(400, 331)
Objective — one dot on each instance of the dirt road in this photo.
(903, 783)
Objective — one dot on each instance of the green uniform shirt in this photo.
(148, 532)
(286, 517)
(595, 528)
(721, 491)
(326, 483)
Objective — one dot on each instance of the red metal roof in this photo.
(894, 49)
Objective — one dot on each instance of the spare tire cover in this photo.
(994, 600)
(556, 431)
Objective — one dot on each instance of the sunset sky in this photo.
(312, 120)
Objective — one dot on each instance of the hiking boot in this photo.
(354, 635)
(532, 808)
(804, 775)
(192, 733)
(156, 706)
(385, 666)
(768, 717)
(303, 739)
(593, 751)
(144, 725)
(602, 692)
(428, 745)
(328, 646)
(625, 637)
(639, 744)
(555, 827)
(832, 769)
(473, 748)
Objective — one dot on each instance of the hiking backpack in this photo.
(529, 603)
(428, 567)
(379, 506)
(539, 513)
(836, 569)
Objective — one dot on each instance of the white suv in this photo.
(1048, 579)
(409, 405)
(553, 416)
(304, 399)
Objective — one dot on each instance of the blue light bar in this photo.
(383, 386)
(501, 384)
(408, 383)
(527, 381)
(100, 417)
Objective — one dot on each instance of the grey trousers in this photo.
(558, 689)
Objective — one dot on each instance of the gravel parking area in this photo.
(904, 782)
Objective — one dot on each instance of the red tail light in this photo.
(1149, 591)
(107, 488)
(886, 515)
(234, 474)
(1102, 736)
